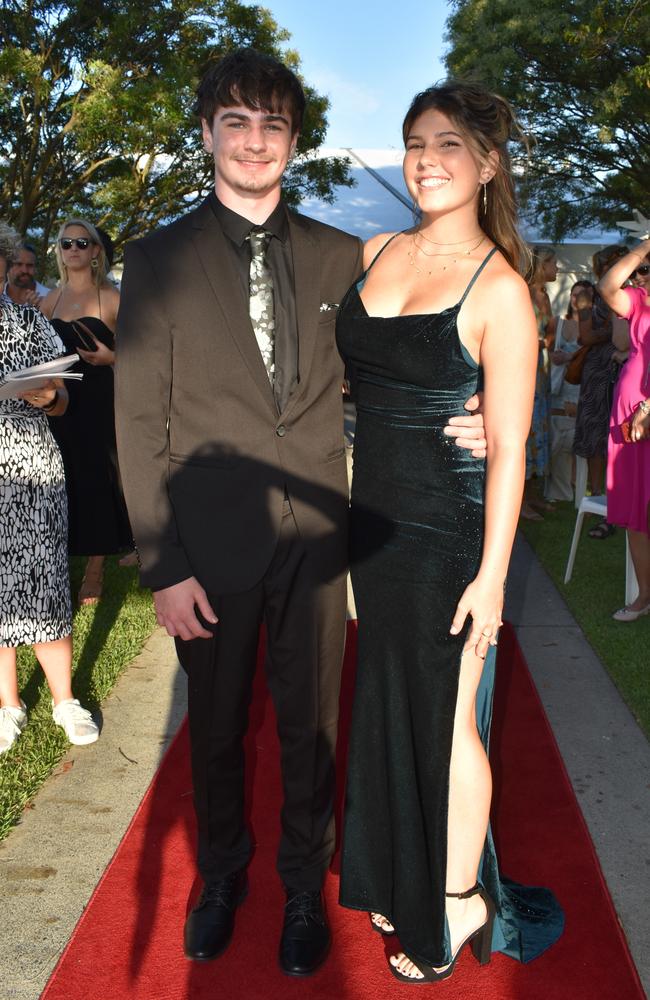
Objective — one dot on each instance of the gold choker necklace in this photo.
(458, 243)
(454, 254)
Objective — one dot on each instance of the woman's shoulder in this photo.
(49, 301)
(375, 245)
(504, 283)
(110, 293)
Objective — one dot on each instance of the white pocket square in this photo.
(326, 306)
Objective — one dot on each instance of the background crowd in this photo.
(592, 384)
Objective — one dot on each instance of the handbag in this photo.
(573, 374)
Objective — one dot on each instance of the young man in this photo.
(230, 435)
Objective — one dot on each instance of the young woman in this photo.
(440, 311)
(83, 311)
(628, 457)
(597, 327)
(34, 589)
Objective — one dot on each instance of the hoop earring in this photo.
(94, 263)
(485, 199)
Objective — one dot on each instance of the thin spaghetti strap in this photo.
(381, 250)
(57, 302)
(476, 274)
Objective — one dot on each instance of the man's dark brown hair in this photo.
(253, 79)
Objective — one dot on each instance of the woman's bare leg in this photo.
(470, 794)
(596, 466)
(640, 552)
(91, 585)
(56, 661)
(9, 695)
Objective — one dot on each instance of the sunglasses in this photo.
(643, 271)
(81, 242)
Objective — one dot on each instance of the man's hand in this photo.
(469, 431)
(175, 609)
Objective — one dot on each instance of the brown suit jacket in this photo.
(204, 455)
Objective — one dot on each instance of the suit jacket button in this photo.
(281, 431)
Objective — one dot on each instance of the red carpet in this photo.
(128, 942)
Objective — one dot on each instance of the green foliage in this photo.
(578, 75)
(96, 110)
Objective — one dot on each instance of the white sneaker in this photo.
(12, 722)
(78, 723)
(628, 615)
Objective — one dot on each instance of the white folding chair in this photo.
(581, 480)
(598, 505)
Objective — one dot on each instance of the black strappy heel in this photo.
(480, 942)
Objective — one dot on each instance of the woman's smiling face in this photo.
(441, 170)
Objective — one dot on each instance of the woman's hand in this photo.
(40, 398)
(640, 426)
(102, 356)
(560, 357)
(483, 602)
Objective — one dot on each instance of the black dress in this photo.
(417, 520)
(98, 522)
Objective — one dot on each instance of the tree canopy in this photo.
(578, 75)
(96, 110)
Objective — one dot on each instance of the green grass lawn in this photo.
(596, 590)
(106, 638)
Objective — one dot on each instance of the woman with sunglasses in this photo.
(83, 311)
(628, 457)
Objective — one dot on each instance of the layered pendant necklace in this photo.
(451, 256)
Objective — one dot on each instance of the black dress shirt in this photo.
(280, 261)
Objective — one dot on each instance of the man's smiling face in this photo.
(250, 148)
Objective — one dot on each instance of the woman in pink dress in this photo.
(628, 459)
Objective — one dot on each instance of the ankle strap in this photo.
(465, 895)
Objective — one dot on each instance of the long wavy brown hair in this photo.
(488, 123)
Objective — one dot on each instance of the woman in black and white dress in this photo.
(35, 604)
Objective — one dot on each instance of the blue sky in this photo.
(369, 57)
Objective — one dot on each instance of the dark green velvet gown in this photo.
(417, 521)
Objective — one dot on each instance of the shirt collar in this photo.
(237, 228)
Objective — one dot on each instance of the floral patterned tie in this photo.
(260, 304)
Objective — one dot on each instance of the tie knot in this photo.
(259, 240)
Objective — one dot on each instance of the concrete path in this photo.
(605, 752)
(50, 864)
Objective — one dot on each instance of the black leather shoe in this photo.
(209, 926)
(306, 937)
